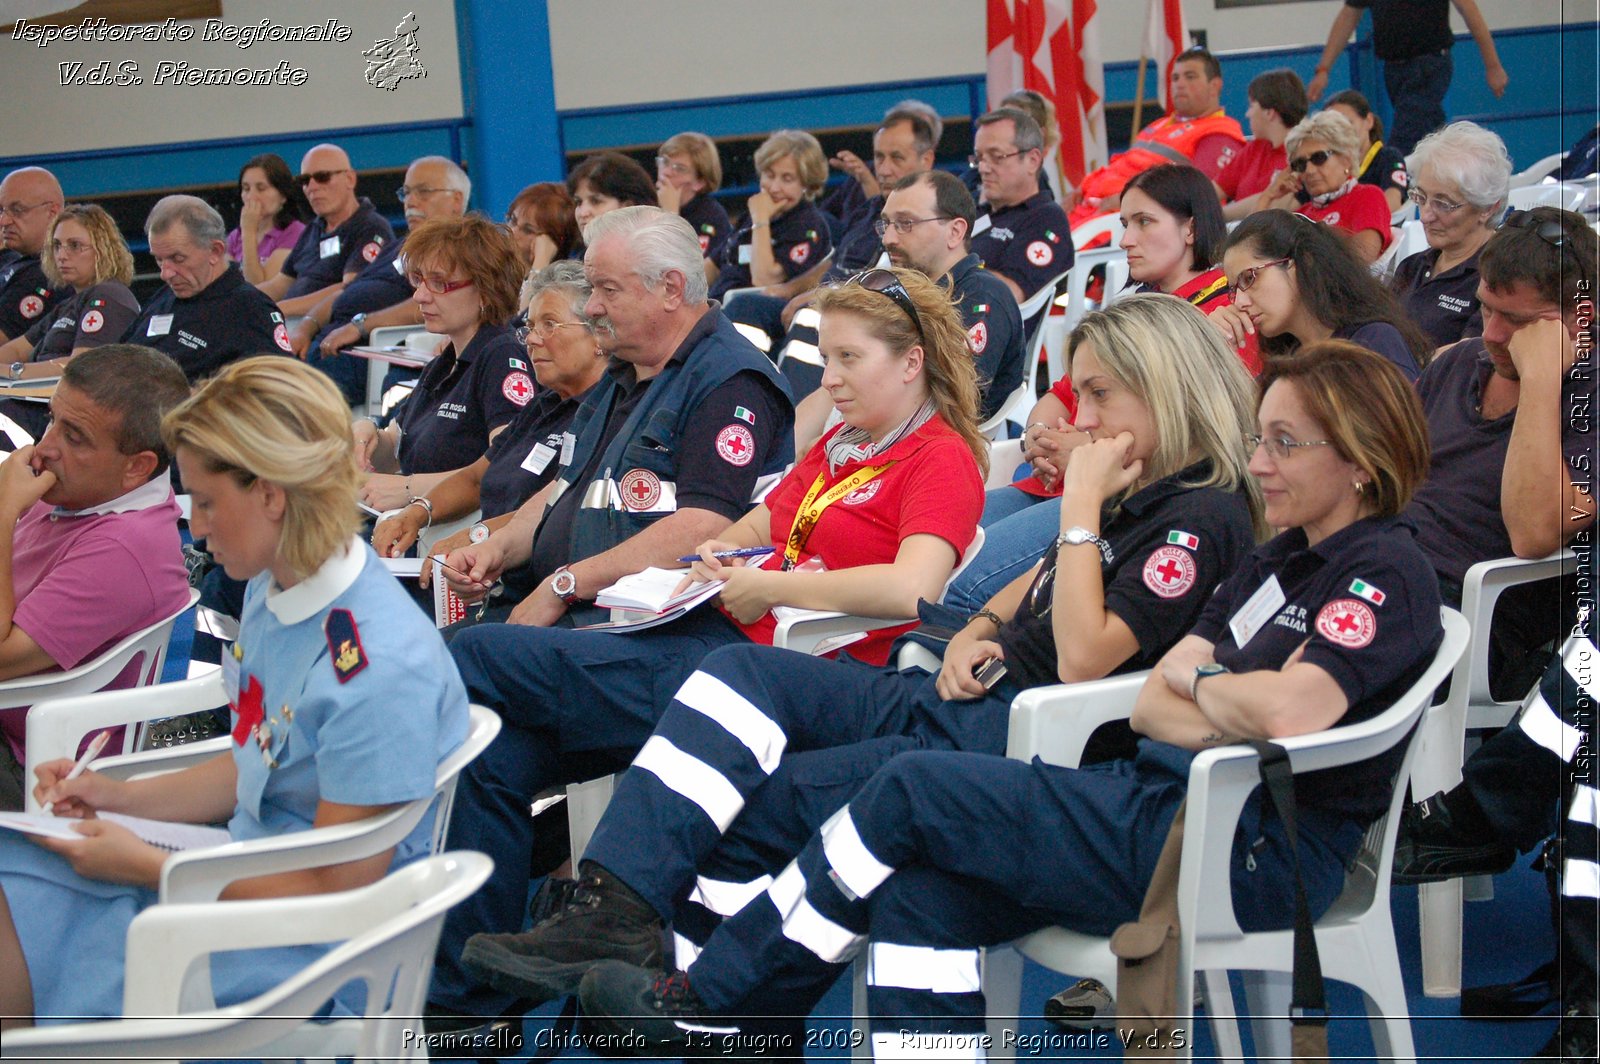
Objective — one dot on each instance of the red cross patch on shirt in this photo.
(249, 711)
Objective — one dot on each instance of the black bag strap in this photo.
(1308, 1005)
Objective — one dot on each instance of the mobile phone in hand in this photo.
(989, 673)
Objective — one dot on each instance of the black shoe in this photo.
(603, 920)
(1528, 996)
(1575, 1036)
(1085, 1005)
(1443, 838)
(643, 1011)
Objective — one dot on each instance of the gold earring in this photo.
(1361, 487)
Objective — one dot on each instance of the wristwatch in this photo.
(565, 586)
(1211, 668)
(360, 322)
(16, 370)
(478, 532)
(1077, 534)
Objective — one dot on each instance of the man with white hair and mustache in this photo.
(379, 296)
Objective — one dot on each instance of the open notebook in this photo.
(163, 833)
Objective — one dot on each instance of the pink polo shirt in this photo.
(84, 581)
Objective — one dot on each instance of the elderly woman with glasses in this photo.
(1324, 163)
(567, 363)
(1459, 182)
(465, 273)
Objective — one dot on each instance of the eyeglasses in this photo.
(886, 283)
(417, 190)
(1281, 447)
(1552, 233)
(435, 284)
(1439, 204)
(74, 247)
(321, 177)
(993, 158)
(1248, 275)
(17, 210)
(1316, 158)
(904, 225)
(672, 166)
(546, 328)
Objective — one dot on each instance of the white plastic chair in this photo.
(1108, 225)
(1568, 197)
(1015, 407)
(386, 336)
(387, 931)
(48, 733)
(1538, 171)
(1469, 706)
(1076, 300)
(1355, 937)
(1004, 458)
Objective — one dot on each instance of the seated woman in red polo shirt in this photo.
(1325, 162)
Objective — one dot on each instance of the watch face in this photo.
(478, 533)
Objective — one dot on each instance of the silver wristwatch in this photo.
(16, 370)
(478, 532)
(1077, 535)
(565, 586)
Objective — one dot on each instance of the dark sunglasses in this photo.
(321, 177)
(1316, 158)
(1552, 233)
(886, 283)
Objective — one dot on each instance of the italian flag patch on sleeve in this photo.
(1184, 539)
(1367, 591)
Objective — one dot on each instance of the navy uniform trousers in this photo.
(757, 749)
(575, 706)
(1535, 768)
(942, 853)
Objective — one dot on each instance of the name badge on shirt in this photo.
(569, 443)
(746, 256)
(329, 246)
(1257, 611)
(540, 457)
(160, 325)
(981, 224)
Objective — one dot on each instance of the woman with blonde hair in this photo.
(943, 853)
(785, 234)
(1154, 513)
(334, 672)
(871, 520)
(85, 251)
(688, 172)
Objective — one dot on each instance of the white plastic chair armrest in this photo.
(1054, 723)
(805, 632)
(201, 875)
(163, 759)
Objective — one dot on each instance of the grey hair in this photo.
(1333, 129)
(199, 219)
(565, 276)
(455, 178)
(1473, 158)
(1026, 134)
(913, 108)
(658, 243)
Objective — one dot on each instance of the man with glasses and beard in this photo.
(346, 235)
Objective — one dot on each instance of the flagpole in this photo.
(1138, 99)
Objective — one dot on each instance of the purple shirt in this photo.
(84, 582)
(271, 241)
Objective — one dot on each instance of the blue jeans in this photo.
(1018, 528)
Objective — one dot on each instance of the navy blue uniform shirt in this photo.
(1029, 242)
(800, 239)
(320, 258)
(227, 320)
(1365, 603)
(460, 399)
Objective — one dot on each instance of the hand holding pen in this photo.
(96, 745)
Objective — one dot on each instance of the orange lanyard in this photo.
(811, 507)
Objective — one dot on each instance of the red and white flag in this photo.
(1052, 47)
(1165, 36)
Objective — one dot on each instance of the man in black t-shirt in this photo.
(345, 236)
(1412, 39)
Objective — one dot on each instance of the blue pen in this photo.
(742, 552)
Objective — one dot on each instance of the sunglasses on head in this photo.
(1551, 232)
(886, 283)
(1316, 158)
(321, 177)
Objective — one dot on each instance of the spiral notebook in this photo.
(161, 833)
